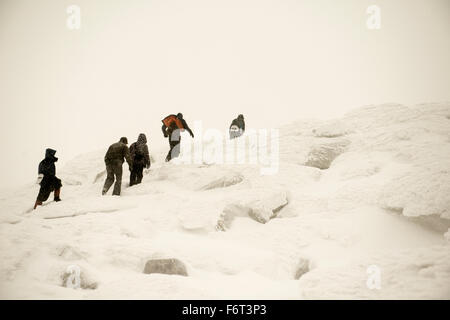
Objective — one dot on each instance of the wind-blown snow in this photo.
(372, 188)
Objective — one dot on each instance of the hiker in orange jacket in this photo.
(172, 125)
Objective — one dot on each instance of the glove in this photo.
(165, 135)
(39, 178)
(192, 135)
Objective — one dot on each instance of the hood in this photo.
(124, 140)
(142, 138)
(50, 154)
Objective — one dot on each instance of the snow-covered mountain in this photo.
(370, 191)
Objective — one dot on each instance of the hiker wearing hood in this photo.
(172, 125)
(114, 159)
(49, 182)
(140, 159)
(237, 127)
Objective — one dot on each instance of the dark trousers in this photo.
(174, 150)
(48, 185)
(136, 174)
(113, 172)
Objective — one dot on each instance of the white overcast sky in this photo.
(133, 62)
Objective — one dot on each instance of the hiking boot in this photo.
(37, 203)
(57, 192)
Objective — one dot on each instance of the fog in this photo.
(133, 62)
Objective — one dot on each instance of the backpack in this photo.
(135, 150)
(171, 119)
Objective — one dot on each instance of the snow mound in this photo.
(322, 154)
(429, 189)
(223, 182)
(200, 216)
(199, 177)
(417, 140)
(260, 205)
(424, 271)
(77, 207)
(86, 168)
(333, 129)
(351, 195)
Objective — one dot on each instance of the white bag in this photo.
(39, 178)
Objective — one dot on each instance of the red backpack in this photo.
(172, 119)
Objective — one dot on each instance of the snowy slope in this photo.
(372, 188)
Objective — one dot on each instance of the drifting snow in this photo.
(369, 189)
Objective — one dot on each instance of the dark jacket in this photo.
(117, 152)
(47, 166)
(239, 122)
(139, 152)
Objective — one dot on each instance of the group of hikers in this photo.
(137, 157)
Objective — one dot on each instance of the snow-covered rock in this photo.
(301, 268)
(425, 271)
(165, 266)
(420, 192)
(322, 154)
(77, 278)
(260, 205)
(224, 181)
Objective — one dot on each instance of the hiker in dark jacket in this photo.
(172, 125)
(140, 159)
(114, 159)
(237, 127)
(49, 182)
